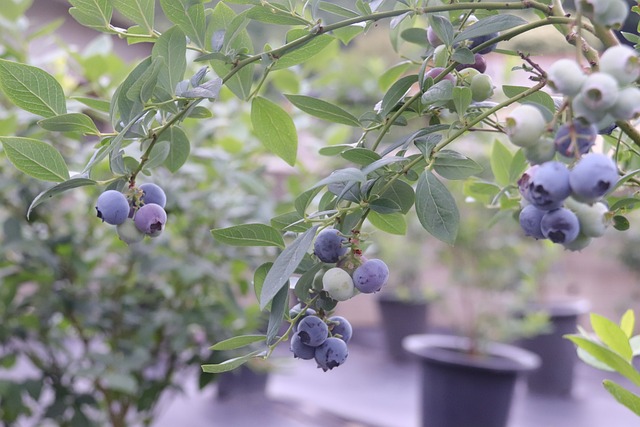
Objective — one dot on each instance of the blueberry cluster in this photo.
(137, 214)
(323, 339)
(610, 13)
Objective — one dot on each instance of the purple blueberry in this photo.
(339, 326)
(560, 226)
(112, 207)
(480, 64)
(300, 349)
(432, 37)
(331, 354)
(530, 220)
(549, 186)
(436, 71)
(477, 41)
(150, 219)
(371, 276)
(592, 177)
(328, 246)
(313, 331)
(575, 135)
(152, 193)
(525, 181)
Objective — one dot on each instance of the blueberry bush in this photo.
(400, 156)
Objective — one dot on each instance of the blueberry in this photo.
(328, 246)
(525, 181)
(549, 186)
(575, 135)
(592, 217)
(579, 243)
(432, 37)
(150, 219)
(300, 349)
(436, 71)
(477, 41)
(481, 87)
(599, 91)
(371, 276)
(313, 331)
(613, 15)
(338, 284)
(525, 125)
(129, 233)
(152, 193)
(541, 152)
(339, 326)
(560, 226)
(592, 177)
(627, 106)
(480, 64)
(530, 219)
(582, 110)
(622, 63)
(112, 207)
(331, 354)
(566, 76)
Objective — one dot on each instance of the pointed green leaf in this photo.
(179, 148)
(489, 25)
(337, 9)
(249, 235)
(501, 159)
(32, 89)
(258, 277)
(392, 223)
(396, 93)
(94, 14)
(436, 208)
(539, 98)
(35, 158)
(611, 335)
(453, 165)
(95, 103)
(272, 15)
(399, 192)
(237, 342)
(70, 122)
(518, 165)
(141, 12)
(628, 322)
(172, 46)
(360, 156)
(624, 396)
(462, 98)
(189, 16)
(392, 74)
(285, 265)
(342, 175)
(231, 364)
(305, 52)
(276, 313)
(608, 357)
(323, 110)
(443, 28)
(346, 34)
(58, 189)
(275, 129)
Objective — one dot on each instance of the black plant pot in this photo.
(460, 389)
(558, 355)
(400, 318)
(241, 382)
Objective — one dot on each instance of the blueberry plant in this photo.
(402, 151)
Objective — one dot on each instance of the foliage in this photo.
(400, 157)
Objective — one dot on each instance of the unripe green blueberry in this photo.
(542, 151)
(525, 125)
(579, 243)
(481, 87)
(622, 63)
(583, 111)
(338, 284)
(129, 233)
(599, 91)
(566, 77)
(627, 106)
(592, 218)
(440, 56)
(614, 14)
(467, 75)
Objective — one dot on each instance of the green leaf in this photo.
(443, 28)
(57, 189)
(189, 16)
(337, 9)
(258, 277)
(396, 93)
(518, 165)
(32, 89)
(158, 155)
(70, 122)
(142, 89)
(439, 92)
(436, 208)
(123, 109)
(272, 15)
(384, 206)
(95, 103)
(392, 74)
(323, 110)
(285, 265)
(276, 314)
(608, 357)
(346, 34)
(35, 158)
(303, 200)
(275, 129)
(237, 342)
(179, 148)
(462, 97)
(539, 98)
(416, 36)
(628, 322)
(172, 46)
(94, 14)
(500, 162)
(489, 25)
(463, 55)
(141, 12)
(392, 223)
(305, 52)
(611, 335)
(360, 156)
(342, 175)
(249, 235)
(624, 396)
(290, 221)
(231, 364)
(399, 192)
(453, 165)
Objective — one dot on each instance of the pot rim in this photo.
(451, 350)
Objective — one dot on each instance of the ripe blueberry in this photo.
(592, 177)
(338, 325)
(549, 186)
(560, 226)
(152, 193)
(530, 219)
(300, 349)
(371, 276)
(331, 354)
(328, 245)
(575, 135)
(112, 207)
(312, 331)
(150, 219)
